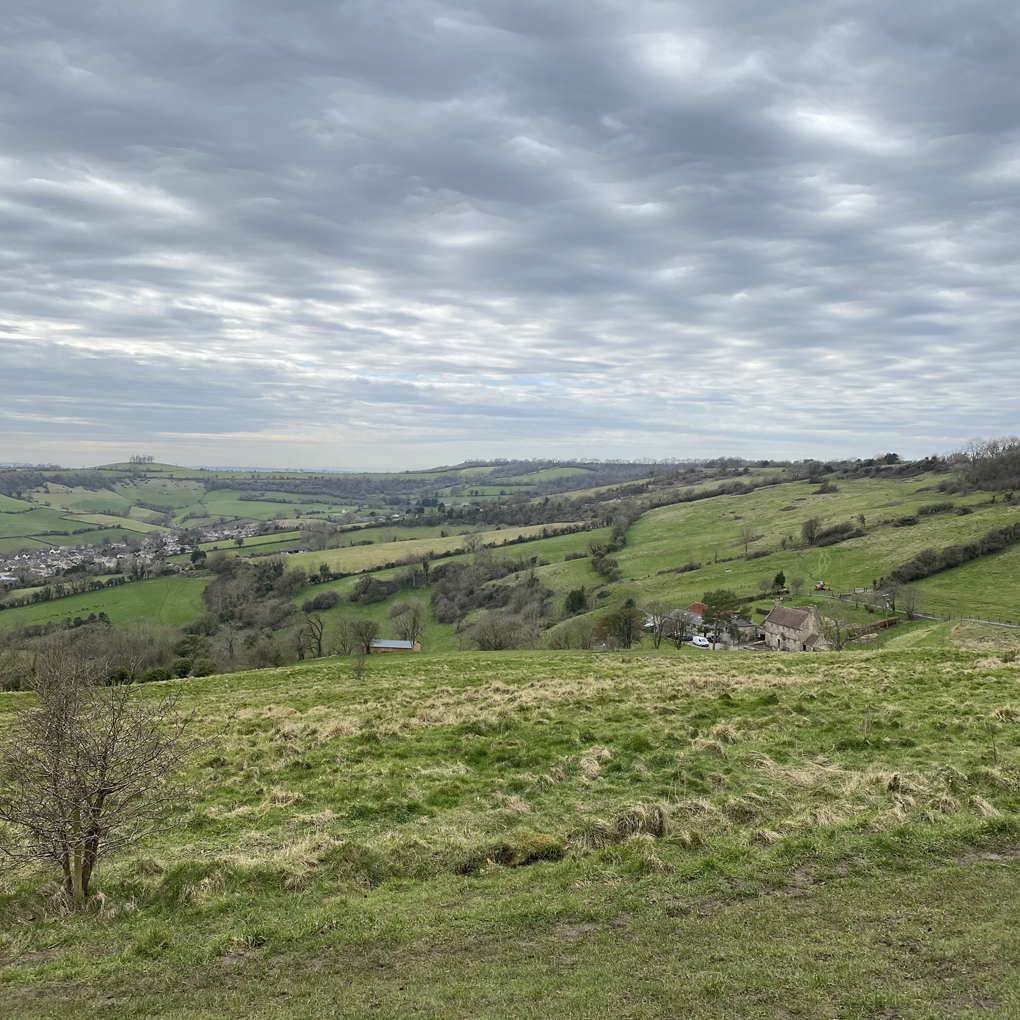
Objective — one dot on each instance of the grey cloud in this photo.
(588, 228)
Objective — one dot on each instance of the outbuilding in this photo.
(383, 645)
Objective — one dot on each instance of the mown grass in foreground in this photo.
(565, 835)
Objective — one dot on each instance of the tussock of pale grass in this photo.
(724, 733)
(1007, 714)
(712, 747)
(344, 726)
(589, 761)
(644, 819)
(988, 776)
(985, 809)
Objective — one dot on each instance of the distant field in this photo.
(10, 505)
(8, 545)
(986, 587)
(14, 525)
(362, 557)
(170, 600)
(79, 500)
(164, 492)
(127, 523)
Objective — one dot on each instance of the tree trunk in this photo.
(77, 883)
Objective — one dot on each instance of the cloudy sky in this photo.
(385, 233)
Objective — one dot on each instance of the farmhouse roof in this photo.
(697, 607)
(788, 616)
(384, 643)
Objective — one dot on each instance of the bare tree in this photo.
(87, 770)
(910, 601)
(313, 630)
(746, 535)
(681, 626)
(364, 631)
(796, 585)
(408, 618)
(341, 636)
(841, 624)
(657, 620)
(358, 667)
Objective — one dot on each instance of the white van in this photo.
(700, 642)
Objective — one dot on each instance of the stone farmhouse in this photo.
(788, 629)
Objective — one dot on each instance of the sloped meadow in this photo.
(486, 801)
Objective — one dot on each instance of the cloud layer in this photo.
(377, 233)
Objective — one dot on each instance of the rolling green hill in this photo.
(561, 836)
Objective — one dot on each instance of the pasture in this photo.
(356, 558)
(562, 835)
(169, 600)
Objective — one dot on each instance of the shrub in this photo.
(930, 509)
(203, 667)
(182, 667)
(156, 675)
(324, 600)
(607, 567)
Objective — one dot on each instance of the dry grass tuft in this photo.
(344, 726)
(724, 733)
(642, 819)
(985, 809)
(712, 747)
(589, 761)
(1007, 713)
(768, 836)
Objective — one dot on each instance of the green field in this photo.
(563, 836)
(989, 588)
(31, 522)
(128, 524)
(170, 600)
(370, 556)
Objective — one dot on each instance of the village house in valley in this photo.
(789, 629)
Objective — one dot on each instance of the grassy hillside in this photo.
(989, 587)
(171, 600)
(369, 556)
(568, 835)
(670, 536)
